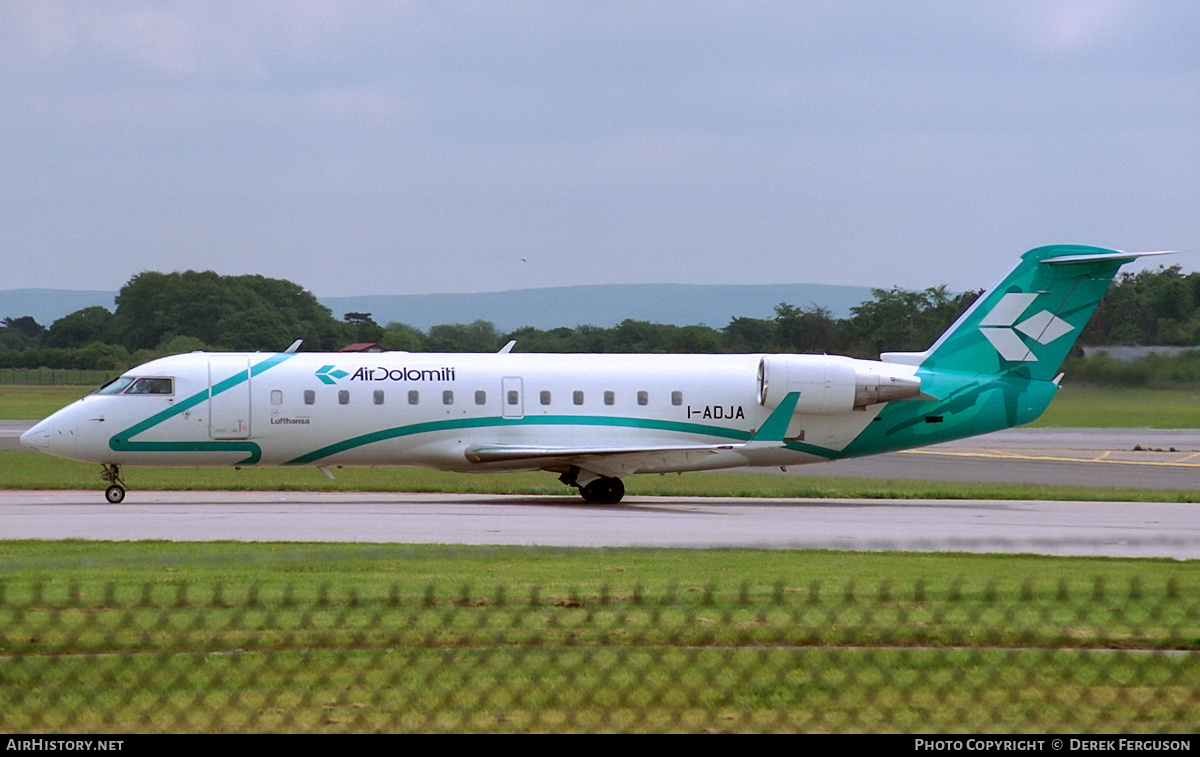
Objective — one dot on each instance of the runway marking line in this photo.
(1051, 458)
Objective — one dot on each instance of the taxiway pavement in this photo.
(1115, 529)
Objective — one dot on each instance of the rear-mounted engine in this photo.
(830, 384)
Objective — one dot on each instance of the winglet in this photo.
(776, 425)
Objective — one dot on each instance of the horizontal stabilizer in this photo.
(1101, 256)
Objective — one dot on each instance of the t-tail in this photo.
(998, 365)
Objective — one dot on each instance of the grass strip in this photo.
(225, 637)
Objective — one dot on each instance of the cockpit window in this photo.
(151, 386)
(116, 386)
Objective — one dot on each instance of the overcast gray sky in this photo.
(415, 147)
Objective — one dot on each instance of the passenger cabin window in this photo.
(151, 386)
(447, 397)
(545, 397)
(413, 396)
(276, 397)
(577, 397)
(480, 397)
(676, 397)
(310, 397)
(378, 396)
(609, 397)
(514, 397)
(643, 397)
(343, 397)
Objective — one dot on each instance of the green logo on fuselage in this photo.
(329, 376)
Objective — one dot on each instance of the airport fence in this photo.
(41, 376)
(172, 656)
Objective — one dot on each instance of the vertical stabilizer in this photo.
(1027, 322)
(997, 366)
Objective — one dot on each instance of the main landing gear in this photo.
(604, 490)
(116, 485)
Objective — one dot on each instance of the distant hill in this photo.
(597, 305)
(48, 305)
(601, 304)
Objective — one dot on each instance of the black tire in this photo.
(604, 491)
(114, 494)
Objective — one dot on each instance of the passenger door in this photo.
(229, 397)
(512, 400)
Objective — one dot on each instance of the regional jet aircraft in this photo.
(592, 419)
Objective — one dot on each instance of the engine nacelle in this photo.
(830, 384)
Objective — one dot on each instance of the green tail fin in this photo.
(994, 368)
(1027, 322)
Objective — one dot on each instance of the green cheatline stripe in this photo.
(120, 442)
(812, 449)
(252, 450)
(535, 420)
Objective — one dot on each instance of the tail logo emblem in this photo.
(1001, 327)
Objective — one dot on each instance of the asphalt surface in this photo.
(1114, 529)
(1102, 458)
(10, 433)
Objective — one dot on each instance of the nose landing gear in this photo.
(116, 489)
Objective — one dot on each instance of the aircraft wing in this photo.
(603, 461)
(621, 461)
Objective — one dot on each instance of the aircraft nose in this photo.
(38, 437)
(52, 435)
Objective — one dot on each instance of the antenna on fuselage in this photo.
(507, 348)
(295, 346)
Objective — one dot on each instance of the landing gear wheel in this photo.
(116, 486)
(606, 490)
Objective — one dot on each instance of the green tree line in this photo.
(165, 313)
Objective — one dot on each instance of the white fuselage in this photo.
(396, 408)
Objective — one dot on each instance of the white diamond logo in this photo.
(1043, 327)
(1009, 309)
